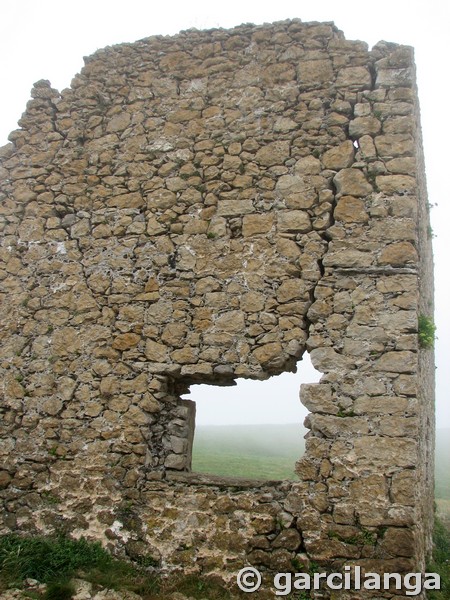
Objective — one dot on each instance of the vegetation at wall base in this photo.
(59, 590)
(44, 558)
(55, 561)
(441, 561)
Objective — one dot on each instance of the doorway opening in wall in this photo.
(254, 429)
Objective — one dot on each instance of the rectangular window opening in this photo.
(253, 430)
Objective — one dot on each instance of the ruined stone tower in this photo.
(200, 208)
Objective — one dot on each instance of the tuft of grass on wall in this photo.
(427, 331)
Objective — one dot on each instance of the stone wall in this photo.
(196, 209)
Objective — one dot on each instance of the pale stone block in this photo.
(398, 254)
(155, 352)
(352, 182)
(367, 125)
(354, 78)
(274, 153)
(351, 210)
(234, 208)
(393, 145)
(340, 157)
(256, 224)
(311, 73)
(294, 220)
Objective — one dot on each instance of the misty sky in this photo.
(47, 39)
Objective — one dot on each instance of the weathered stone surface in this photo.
(65, 341)
(274, 153)
(295, 221)
(351, 210)
(315, 72)
(318, 398)
(333, 427)
(394, 77)
(394, 184)
(155, 351)
(252, 302)
(161, 199)
(201, 208)
(131, 200)
(354, 77)
(384, 405)
(348, 258)
(393, 145)
(119, 122)
(125, 341)
(309, 165)
(398, 542)
(234, 208)
(327, 359)
(292, 290)
(351, 182)
(367, 147)
(386, 454)
(366, 125)
(255, 224)
(397, 362)
(52, 406)
(340, 157)
(398, 254)
(266, 354)
(402, 488)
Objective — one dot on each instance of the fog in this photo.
(274, 401)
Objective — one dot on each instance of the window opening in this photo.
(254, 429)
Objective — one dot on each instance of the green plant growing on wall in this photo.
(426, 332)
(430, 234)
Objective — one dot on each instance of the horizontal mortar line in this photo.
(376, 271)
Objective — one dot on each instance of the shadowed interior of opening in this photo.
(254, 429)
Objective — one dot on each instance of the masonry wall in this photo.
(200, 208)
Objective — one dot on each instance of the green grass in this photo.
(254, 451)
(253, 467)
(59, 590)
(45, 558)
(441, 561)
(443, 511)
(56, 560)
(443, 464)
